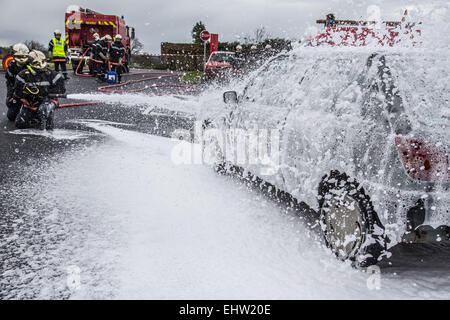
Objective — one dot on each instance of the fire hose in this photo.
(112, 88)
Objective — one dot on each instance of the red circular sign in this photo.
(204, 35)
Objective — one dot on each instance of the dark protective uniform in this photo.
(100, 53)
(58, 48)
(238, 61)
(117, 58)
(94, 63)
(13, 105)
(33, 89)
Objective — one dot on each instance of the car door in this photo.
(322, 129)
(256, 124)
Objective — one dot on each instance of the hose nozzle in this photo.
(57, 95)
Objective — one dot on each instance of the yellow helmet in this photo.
(20, 53)
(38, 60)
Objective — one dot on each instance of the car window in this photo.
(422, 85)
(268, 86)
(221, 57)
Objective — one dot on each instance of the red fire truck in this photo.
(81, 24)
(363, 33)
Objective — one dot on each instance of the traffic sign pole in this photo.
(204, 35)
(204, 55)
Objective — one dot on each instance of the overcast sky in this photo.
(159, 21)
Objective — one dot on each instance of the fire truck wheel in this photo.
(75, 66)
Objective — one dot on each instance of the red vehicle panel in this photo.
(81, 25)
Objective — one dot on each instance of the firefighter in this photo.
(238, 59)
(102, 55)
(254, 57)
(268, 51)
(20, 54)
(117, 56)
(33, 86)
(92, 58)
(58, 51)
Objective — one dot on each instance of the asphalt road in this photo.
(19, 152)
(16, 149)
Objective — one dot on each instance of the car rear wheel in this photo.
(351, 227)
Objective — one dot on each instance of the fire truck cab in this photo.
(81, 24)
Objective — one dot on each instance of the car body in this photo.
(219, 63)
(379, 120)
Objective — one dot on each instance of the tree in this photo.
(196, 30)
(261, 34)
(35, 45)
(136, 46)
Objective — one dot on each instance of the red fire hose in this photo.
(107, 88)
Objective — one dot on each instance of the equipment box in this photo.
(111, 77)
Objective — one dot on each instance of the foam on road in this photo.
(139, 226)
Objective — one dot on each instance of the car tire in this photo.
(350, 225)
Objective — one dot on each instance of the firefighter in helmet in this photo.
(254, 57)
(268, 51)
(33, 87)
(102, 56)
(58, 51)
(238, 61)
(92, 57)
(117, 56)
(20, 54)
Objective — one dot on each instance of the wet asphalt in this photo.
(18, 151)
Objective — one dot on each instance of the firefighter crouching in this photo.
(20, 54)
(117, 55)
(33, 87)
(58, 51)
(101, 56)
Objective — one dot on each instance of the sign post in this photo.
(204, 35)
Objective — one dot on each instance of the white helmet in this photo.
(238, 47)
(20, 53)
(253, 48)
(107, 38)
(57, 31)
(268, 47)
(38, 60)
(96, 36)
(118, 37)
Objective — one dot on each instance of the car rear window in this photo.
(423, 83)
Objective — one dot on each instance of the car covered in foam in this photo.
(360, 135)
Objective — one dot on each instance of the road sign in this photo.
(204, 35)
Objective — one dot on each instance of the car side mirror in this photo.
(230, 97)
